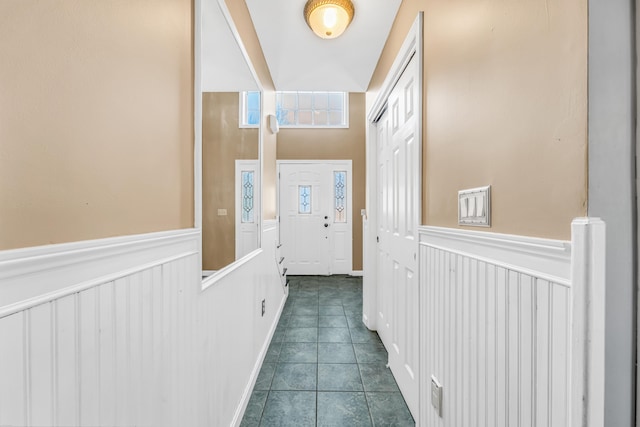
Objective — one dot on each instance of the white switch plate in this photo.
(222, 212)
(474, 207)
(436, 395)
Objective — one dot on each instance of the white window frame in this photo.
(345, 111)
(243, 111)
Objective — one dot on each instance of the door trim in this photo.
(411, 47)
(318, 162)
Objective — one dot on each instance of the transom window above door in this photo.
(312, 109)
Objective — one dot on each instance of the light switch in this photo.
(222, 212)
(480, 204)
(474, 206)
(436, 395)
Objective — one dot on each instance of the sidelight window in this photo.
(247, 196)
(340, 193)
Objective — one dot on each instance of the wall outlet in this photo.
(264, 306)
(436, 395)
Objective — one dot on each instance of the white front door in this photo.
(247, 216)
(315, 216)
(398, 210)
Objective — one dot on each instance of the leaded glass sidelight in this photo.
(340, 193)
(247, 196)
(304, 199)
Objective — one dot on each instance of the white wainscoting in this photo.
(235, 337)
(99, 332)
(119, 332)
(503, 328)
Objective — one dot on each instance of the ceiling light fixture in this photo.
(328, 18)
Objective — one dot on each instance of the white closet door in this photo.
(398, 187)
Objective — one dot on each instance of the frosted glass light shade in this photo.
(328, 18)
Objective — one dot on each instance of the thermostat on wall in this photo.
(474, 206)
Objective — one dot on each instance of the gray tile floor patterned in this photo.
(323, 366)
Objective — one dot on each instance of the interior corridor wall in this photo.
(505, 104)
(335, 144)
(96, 119)
(612, 193)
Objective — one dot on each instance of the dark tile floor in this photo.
(324, 367)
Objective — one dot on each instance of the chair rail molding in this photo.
(546, 257)
(35, 275)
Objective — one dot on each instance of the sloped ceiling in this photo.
(299, 60)
(224, 68)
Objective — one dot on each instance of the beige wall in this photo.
(96, 119)
(336, 144)
(244, 24)
(223, 142)
(505, 88)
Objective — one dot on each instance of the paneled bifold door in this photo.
(398, 211)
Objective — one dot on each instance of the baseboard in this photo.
(357, 273)
(242, 407)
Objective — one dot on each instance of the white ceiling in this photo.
(300, 60)
(223, 64)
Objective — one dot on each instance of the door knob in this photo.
(326, 217)
(326, 225)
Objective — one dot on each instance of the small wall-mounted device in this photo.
(474, 206)
(273, 123)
